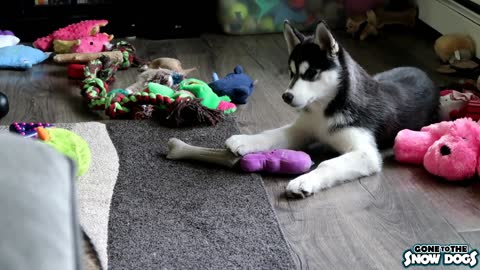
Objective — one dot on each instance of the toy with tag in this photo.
(456, 52)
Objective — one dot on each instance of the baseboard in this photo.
(446, 16)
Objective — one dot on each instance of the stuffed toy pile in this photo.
(162, 91)
(173, 98)
(449, 149)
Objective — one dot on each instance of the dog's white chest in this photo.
(315, 121)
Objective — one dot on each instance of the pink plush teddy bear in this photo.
(448, 149)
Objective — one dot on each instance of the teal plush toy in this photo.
(21, 57)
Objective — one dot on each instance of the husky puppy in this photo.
(344, 107)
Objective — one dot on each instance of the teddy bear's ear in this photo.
(95, 30)
(238, 69)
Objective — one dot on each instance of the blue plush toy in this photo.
(237, 85)
(21, 57)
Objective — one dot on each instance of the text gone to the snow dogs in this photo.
(428, 254)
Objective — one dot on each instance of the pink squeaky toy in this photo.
(449, 149)
(92, 44)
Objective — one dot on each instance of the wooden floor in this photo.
(364, 224)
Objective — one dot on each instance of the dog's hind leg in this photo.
(288, 137)
(360, 158)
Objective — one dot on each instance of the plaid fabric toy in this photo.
(455, 104)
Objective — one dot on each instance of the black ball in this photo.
(3, 105)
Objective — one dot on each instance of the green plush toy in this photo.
(69, 144)
(160, 89)
(201, 90)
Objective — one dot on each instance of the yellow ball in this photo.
(238, 11)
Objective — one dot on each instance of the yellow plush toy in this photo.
(456, 52)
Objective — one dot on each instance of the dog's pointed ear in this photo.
(292, 36)
(325, 39)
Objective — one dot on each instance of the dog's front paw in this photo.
(303, 186)
(245, 144)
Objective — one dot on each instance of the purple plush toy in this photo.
(6, 33)
(280, 161)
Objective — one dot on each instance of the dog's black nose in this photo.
(287, 97)
(445, 150)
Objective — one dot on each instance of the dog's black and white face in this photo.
(313, 65)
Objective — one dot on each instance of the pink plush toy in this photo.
(92, 44)
(449, 149)
(83, 32)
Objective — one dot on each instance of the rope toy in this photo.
(128, 51)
